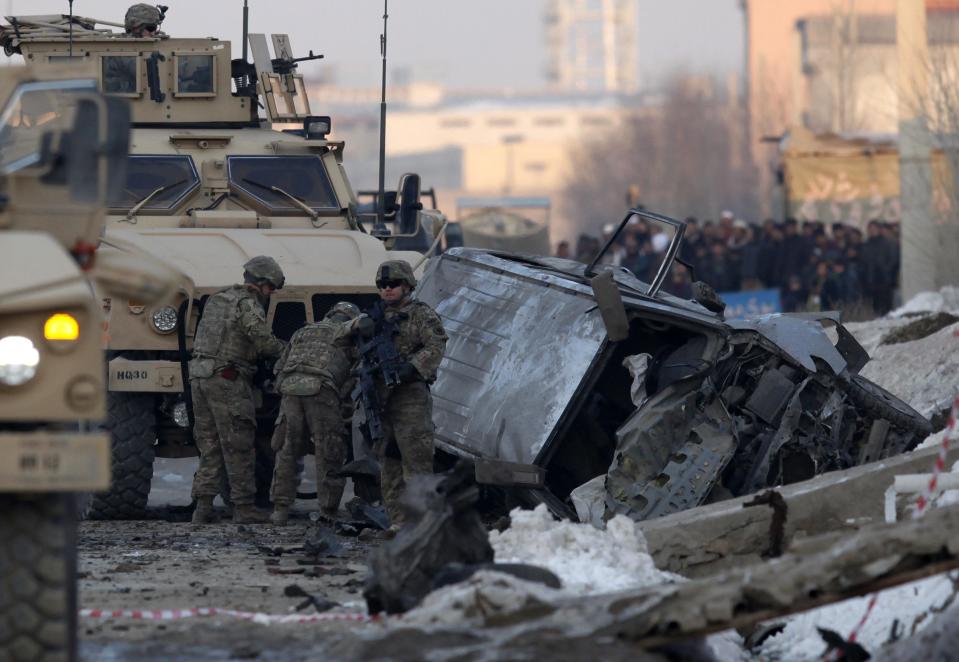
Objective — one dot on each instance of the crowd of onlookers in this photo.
(814, 266)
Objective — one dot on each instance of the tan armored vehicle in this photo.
(63, 147)
(210, 184)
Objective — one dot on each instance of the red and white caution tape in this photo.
(928, 497)
(255, 617)
(925, 501)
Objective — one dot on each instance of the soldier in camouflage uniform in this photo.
(407, 449)
(142, 20)
(313, 375)
(231, 336)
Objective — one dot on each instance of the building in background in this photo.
(592, 45)
(824, 65)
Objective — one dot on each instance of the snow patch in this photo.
(588, 561)
(945, 300)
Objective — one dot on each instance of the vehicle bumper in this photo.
(145, 376)
(54, 462)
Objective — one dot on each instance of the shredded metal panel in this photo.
(518, 351)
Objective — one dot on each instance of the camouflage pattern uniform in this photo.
(231, 335)
(407, 449)
(313, 375)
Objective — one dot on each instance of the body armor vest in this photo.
(314, 351)
(218, 336)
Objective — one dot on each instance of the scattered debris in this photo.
(361, 511)
(321, 541)
(442, 527)
(319, 603)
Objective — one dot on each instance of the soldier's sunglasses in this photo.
(150, 27)
(388, 284)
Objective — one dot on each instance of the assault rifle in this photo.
(378, 359)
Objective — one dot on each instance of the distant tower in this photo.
(592, 45)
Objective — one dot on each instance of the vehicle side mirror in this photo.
(409, 204)
(706, 296)
(610, 304)
(96, 164)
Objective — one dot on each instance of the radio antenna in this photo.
(381, 193)
(71, 28)
(246, 27)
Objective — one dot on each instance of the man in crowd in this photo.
(313, 375)
(420, 340)
(231, 337)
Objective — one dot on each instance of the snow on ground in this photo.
(585, 559)
(924, 372)
(945, 300)
(588, 561)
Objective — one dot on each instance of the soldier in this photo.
(407, 449)
(231, 336)
(313, 376)
(142, 20)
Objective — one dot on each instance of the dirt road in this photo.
(165, 563)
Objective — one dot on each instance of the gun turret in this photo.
(285, 66)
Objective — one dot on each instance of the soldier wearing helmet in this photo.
(142, 20)
(313, 375)
(231, 336)
(407, 415)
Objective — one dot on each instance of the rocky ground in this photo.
(166, 563)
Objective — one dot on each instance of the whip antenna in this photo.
(381, 193)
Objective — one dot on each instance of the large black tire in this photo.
(38, 577)
(873, 401)
(131, 421)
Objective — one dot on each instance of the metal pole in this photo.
(71, 28)
(381, 193)
(246, 28)
(919, 235)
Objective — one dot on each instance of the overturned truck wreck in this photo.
(558, 373)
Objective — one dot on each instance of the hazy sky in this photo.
(485, 43)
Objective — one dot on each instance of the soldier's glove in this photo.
(365, 327)
(407, 373)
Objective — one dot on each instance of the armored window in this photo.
(161, 181)
(271, 180)
(195, 76)
(34, 110)
(120, 74)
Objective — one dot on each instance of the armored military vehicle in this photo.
(210, 184)
(63, 151)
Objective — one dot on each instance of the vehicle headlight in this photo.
(164, 319)
(180, 415)
(18, 360)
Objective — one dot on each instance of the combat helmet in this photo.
(141, 14)
(396, 270)
(264, 268)
(343, 309)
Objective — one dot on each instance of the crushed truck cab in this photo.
(596, 393)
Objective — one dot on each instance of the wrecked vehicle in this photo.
(558, 374)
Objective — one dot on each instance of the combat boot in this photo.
(203, 513)
(247, 513)
(280, 515)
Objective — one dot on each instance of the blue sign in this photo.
(753, 302)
